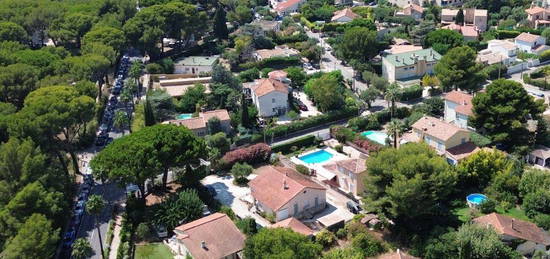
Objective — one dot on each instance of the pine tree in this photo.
(149, 115)
(220, 26)
(460, 17)
(245, 119)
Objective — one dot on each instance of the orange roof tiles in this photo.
(285, 5)
(294, 224)
(463, 100)
(413, 7)
(268, 85)
(276, 74)
(192, 123)
(516, 228)
(527, 37)
(534, 10)
(436, 128)
(344, 13)
(269, 186)
(221, 114)
(219, 234)
(355, 165)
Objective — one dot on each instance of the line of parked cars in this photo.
(80, 205)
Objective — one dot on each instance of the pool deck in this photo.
(318, 167)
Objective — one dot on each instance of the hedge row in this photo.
(274, 62)
(540, 83)
(281, 130)
(410, 93)
(506, 34)
(300, 142)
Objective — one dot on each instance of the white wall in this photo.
(304, 201)
(266, 105)
(450, 113)
(181, 69)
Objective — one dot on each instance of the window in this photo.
(463, 140)
(273, 100)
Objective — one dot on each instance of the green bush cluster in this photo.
(286, 148)
(249, 75)
(540, 83)
(506, 34)
(302, 169)
(274, 62)
(544, 56)
(294, 126)
(411, 93)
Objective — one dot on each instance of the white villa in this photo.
(270, 96)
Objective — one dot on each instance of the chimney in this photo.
(463, 102)
(285, 186)
(396, 58)
(513, 224)
(203, 245)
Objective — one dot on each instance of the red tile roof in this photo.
(516, 228)
(192, 123)
(527, 37)
(277, 74)
(344, 13)
(221, 237)
(355, 165)
(463, 100)
(222, 114)
(286, 4)
(268, 85)
(268, 186)
(436, 128)
(413, 7)
(294, 224)
(534, 10)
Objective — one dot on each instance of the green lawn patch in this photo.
(463, 213)
(153, 251)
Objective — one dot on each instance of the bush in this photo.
(435, 91)
(487, 206)
(325, 238)
(369, 122)
(286, 148)
(339, 148)
(506, 34)
(542, 220)
(479, 140)
(240, 172)
(143, 231)
(367, 244)
(228, 211)
(341, 233)
(302, 169)
(544, 56)
(274, 62)
(410, 93)
(249, 75)
(253, 154)
(247, 226)
(537, 202)
(294, 126)
(342, 134)
(494, 71)
(367, 145)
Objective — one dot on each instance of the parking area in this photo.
(311, 110)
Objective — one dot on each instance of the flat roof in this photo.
(198, 61)
(410, 57)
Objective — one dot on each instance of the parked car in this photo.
(353, 207)
(161, 231)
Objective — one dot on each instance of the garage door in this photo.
(283, 214)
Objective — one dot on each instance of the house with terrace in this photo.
(347, 175)
(413, 10)
(287, 7)
(212, 237)
(469, 33)
(283, 193)
(531, 43)
(538, 16)
(195, 65)
(409, 65)
(199, 125)
(278, 51)
(446, 138)
(344, 16)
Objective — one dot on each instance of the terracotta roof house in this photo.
(469, 33)
(278, 51)
(279, 75)
(294, 224)
(347, 175)
(540, 156)
(199, 125)
(513, 229)
(270, 96)
(531, 43)
(344, 15)
(285, 193)
(413, 10)
(476, 18)
(396, 255)
(538, 16)
(440, 135)
(288, 7)
(458, 107)
(212, 237)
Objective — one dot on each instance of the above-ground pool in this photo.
(316, 157)
(184, 116)
(475, 199)
(376, 136)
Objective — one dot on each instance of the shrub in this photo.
(367, 144)
(325, 238)
(339, 148)
(505, 34)
(249, 75)
(341, 233)
(487, 206)
(494, 71)
(143, 231)
(367, 244)
(247, 226)
(274, 62)
(342, 134)
(302, 169)
(537, 202)
(299, 142)
(479, 140)
(253, 154)
(240, 172)
(228, 211)
(364, 123)
(410, 93)
(542, 220)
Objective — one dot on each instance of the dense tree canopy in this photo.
(359, 43)
(280, 243)
(503, 111)
(442, 40)
(35, 239)
(458, 69)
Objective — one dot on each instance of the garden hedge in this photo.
(300, 142)
(410, 93)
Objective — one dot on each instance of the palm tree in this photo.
(94, 207)
(121, 120)
(81, 249)
(395, 128)
(392, 95)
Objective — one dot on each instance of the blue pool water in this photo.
(184, 116)
(476, 198)
(376, 136)
(316, 157)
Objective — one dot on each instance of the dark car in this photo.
(353, 207)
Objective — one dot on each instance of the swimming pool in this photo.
(376, 136)
(476, 198)
(184, 116)
(316, 157)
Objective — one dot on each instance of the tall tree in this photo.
(369, 95)
(16, 82)
(149, 113)
(458, 69)
(392, 95)
(282, 243)
(442, 40)
(55, 117)
(184, 207)
(396, 128)
(70, 27)
(245, 118)
(95, 206)
(81, 249)
(10, 31)
(108, 36)
(503, 111)
(399, 181)
(220, 26)
(359, 43)
(120, 120)
(35, 239)
(460, 17)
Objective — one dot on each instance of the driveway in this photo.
(237, 198)
(311, 109)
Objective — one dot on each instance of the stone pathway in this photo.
(116, 236)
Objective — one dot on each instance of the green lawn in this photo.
(153, 251)
(462, 213)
